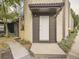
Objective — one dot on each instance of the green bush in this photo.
(66, 44)
(78, 27)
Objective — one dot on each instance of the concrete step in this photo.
(50, 56)
(72, 56)
(47, 51)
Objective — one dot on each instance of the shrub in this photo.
(66, 44)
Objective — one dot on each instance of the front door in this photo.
(44, 29)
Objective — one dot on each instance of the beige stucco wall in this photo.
(59, 26)
(71, 22)
(66, 10)
(28, 22)
(64, 24)
(28, 19)
(59, 20)
(45, 1)
(21, 34)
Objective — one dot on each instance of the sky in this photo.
(75, 5)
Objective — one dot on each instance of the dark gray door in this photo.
(52, 30)
(35, 29)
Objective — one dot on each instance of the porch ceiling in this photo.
(41, 5)
(46, 7)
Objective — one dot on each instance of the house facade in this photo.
(12, 27)
(47, 20)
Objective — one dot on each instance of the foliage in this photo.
(78, 27)
(66, 44)
(3, 45)
(5, 8)
(5, 11)
(75, 17)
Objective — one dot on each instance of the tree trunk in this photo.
(6, 28)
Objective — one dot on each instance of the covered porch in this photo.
(44, 21)
(44, 39)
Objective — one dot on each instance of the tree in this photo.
(5, 6)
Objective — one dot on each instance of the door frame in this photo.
(36, 38)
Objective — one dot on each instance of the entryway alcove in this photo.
(44, 42)
(44, 27)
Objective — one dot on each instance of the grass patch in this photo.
(3, 46)
(3, 42)
(66, 44)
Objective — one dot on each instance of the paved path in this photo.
(18, 51)
(74, 53)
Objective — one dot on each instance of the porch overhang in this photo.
(46, 7)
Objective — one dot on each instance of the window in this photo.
(44, 28)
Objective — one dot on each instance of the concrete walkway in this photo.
(18, 51)
(74, 53)
(47, 51)
(46, 48)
